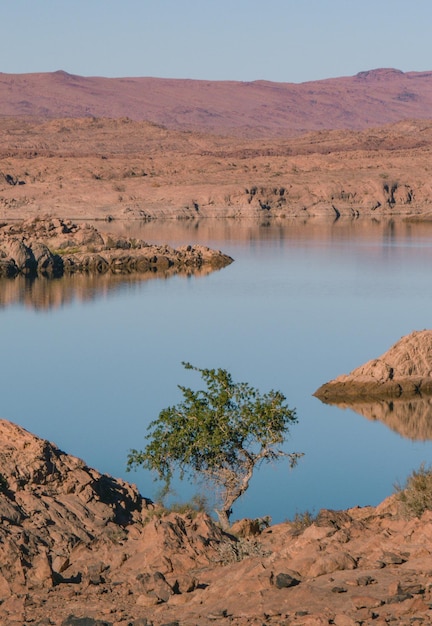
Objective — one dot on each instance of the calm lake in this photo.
(88, 363)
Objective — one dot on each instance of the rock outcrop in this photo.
(79, 548)
(66, 528)
(404, 370)
(55, 247)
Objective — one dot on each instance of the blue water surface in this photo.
(301, 304)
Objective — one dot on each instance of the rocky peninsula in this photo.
(405, 370)
(80, 548)
(52, 247)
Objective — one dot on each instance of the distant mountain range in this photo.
(254, 109)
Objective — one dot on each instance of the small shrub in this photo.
(416, 496)
(65, 251)
(233, 552)
(197, 504)
(156, 513)
(301, 521)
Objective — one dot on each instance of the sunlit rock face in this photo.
(403, 371)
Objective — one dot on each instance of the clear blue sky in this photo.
(279, 40)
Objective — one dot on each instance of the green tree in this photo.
(220, 434)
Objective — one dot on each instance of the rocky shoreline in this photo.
(52, 247)
(80, 548)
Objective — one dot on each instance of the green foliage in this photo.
(416, 496)
(220, 433)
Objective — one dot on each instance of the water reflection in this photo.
(42, 293)
(302, 302)
(308, 231)
(411, 418)
(377, 241)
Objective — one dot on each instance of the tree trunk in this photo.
(233, 490)
(223, 517)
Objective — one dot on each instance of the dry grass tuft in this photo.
(416, 496)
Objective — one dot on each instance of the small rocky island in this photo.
(405, 370)
(52, 247)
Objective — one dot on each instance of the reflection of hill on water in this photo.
(410, 418)
(51, 293)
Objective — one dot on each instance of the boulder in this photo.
(21, 254)
(48, 264)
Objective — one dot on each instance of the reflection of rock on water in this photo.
(411, 418)
(47, 293)
(395, 388)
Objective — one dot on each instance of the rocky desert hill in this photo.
(139, 148)
(79, 548)
(253, 109)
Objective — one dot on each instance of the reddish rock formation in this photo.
(53, 248)
(104, 168)
(81, 548)
(404, 370)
